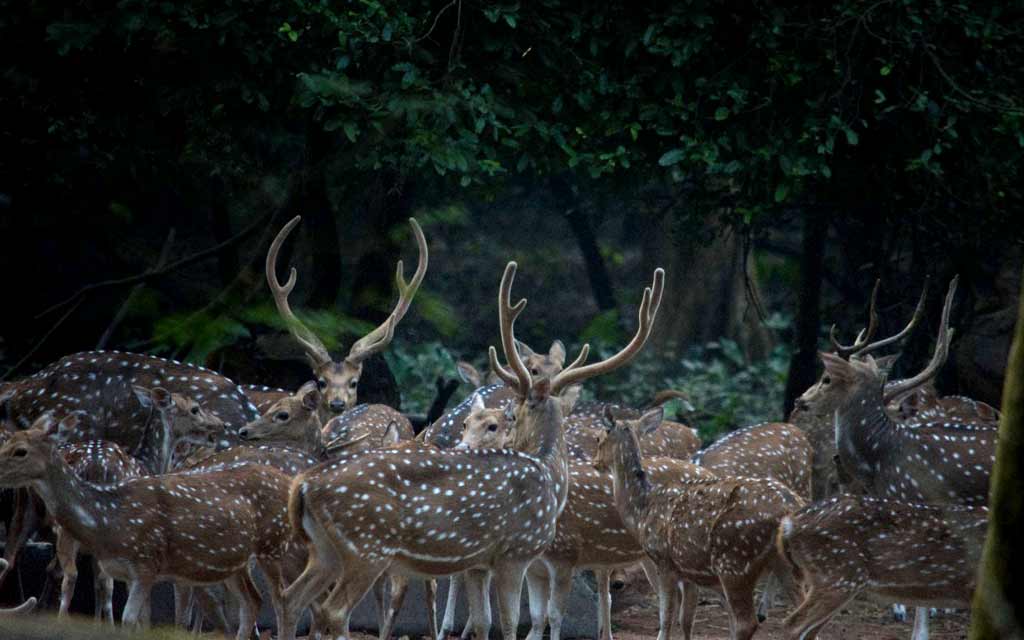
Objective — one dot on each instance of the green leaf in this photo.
(671, 157)
(851, 137)
(721, 113)
(351, 131)
(885, 70)
(781, 191)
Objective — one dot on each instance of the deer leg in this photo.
(920, 632)
(899, 612)
(668, 601)
(771, 587)
(322, 567)
(508, 577)
(478, 598)
(359, 578)
(67, 557)
(380, 596)
(182, 605)
(561, 585)
(272, 569)
(430, 593)
(688, 610)
(603, 577)
(739, 594)
(247, 603)
(817, 608)
(399, 586)
(138, 599)
(24, 523)
(538, 588)
(448, 622)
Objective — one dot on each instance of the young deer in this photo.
(199, 528)
(439, 512)
(338, 381)
(924, 554)
(717, 534)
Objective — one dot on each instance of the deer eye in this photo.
(20, 453)
(321, 384)
(195, 411)
(826, 380)
(281, 416)
(352, 384)
(492, 427)
(534, 371)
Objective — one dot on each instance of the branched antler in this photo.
(945, 336)
(315, 349)
(378, 339)
(519, 378)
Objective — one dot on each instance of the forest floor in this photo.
(637, 619)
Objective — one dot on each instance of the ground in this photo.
(637, 619)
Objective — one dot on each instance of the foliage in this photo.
(416, 368)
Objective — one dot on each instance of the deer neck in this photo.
(541, 437)
(630, 484)
(157, 444)
(864, 432)
(78, 506)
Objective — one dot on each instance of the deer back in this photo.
(262, 396)
(921, 554)
(772, 450)
(99, 383)
(371, 420)
(101, 462)
(584, 425)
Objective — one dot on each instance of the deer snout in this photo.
(337, 406)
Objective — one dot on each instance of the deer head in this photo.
(536, 409)
(337, 381)
(488, 428)
(26, 455)
(292, 420)
(623, 435)
(817, 404)
(185, 418)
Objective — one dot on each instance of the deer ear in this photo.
(46, 425)
(651, 420)
(885, 363)
(523, 350)
(306, 388)
(468, 373)
(143, 395)
(68, 425)
(836, 367)
(311, 399)
(162, 397)
(569, 398)
(607, 419)
(391, 436)
(557, 352)
(477, 404)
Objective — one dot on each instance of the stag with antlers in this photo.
(338, 381)
(440, 512)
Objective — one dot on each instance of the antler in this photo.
(938, 358)
(378, 339)
(519, 378)
(918, 310)
(865, 334)
(315, 349)
(577, 372)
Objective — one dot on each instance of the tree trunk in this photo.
(996, 612)
(586, 240)
(803, 364)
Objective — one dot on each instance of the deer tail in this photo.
(297, 507)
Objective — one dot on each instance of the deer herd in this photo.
(163, 471)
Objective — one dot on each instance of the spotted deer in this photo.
(338, 381)
(98, 383)
(775, 450)
(263, 396)
(946, 462)
(925, 554)
(814, 410)
(591, 535)
(198, 528)
(718, 534)
(438, 512)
